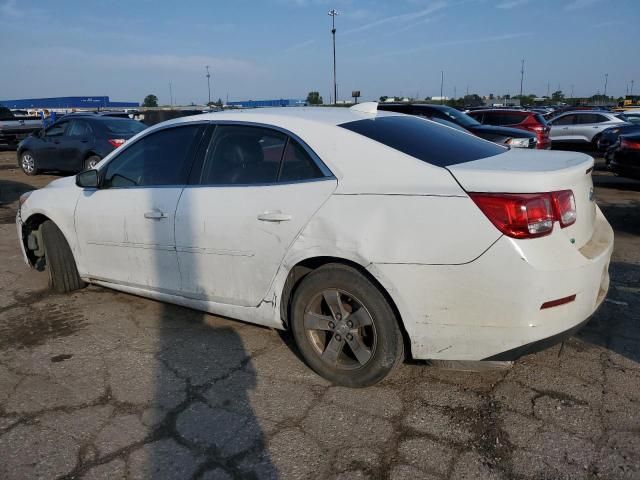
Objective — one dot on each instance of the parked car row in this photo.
(14, 128)
(452, 117)
(75, 142)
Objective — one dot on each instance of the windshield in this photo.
(425, 140)
(122, 126)
(460, 118)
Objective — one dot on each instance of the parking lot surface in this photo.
(104, 385)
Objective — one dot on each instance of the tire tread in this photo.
(63, 272)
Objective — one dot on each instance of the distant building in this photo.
(282, 102)
(440, 99)
(67, 103)
(501, 102)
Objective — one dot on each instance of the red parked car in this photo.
(531, 121)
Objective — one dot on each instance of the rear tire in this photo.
(91, 162)
(337, 309)
(28, 163)
(63, 273)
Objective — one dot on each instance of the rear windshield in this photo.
(122, 126)
(425, 140)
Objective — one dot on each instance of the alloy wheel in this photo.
(340, 329)
(28, 163)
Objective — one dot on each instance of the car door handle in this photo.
(155, 214)
(274, 217)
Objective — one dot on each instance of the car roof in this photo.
(280, 116)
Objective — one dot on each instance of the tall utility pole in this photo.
(548, 90)
(631, 90)
(521, 78)
(170, 94)
(606, 80)
(455, 94)
(332, 14)
(208, 84)
(571, 91)
(441, 87)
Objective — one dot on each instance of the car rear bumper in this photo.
(492, 305)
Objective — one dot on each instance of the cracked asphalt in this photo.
(103, 385)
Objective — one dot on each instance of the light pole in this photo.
(332, 14)
(521, 78)
(209, 85)
(170, 95)
(631, 90)
(441, 87)
(606, 80)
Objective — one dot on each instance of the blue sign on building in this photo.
(67, 102)
(282, 102)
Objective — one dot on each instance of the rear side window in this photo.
(297, 165)
(248, 155)
(425, 140)
(78, 128)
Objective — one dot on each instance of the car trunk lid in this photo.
(522, 171)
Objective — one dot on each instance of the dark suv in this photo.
(75, 142)
(522, 119)
(457, 119)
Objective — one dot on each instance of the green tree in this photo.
(383, 99)
(150, 101)
(314, 98)
(557, 96)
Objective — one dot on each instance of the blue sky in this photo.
(282, 48)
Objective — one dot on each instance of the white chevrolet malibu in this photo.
(371, 235)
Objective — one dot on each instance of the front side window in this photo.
(161, 158)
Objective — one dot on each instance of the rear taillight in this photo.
(629, 144)
(116, 142)
(565, 207)
(527, 215)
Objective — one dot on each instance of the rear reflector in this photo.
(116, 142)
(527, 215)
(559, 301)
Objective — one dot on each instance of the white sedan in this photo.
(371, 235)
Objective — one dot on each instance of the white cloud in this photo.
(509, 4)
(405, 17)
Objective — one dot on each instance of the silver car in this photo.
(582, 126)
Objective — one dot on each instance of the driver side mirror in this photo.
(88, 179)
